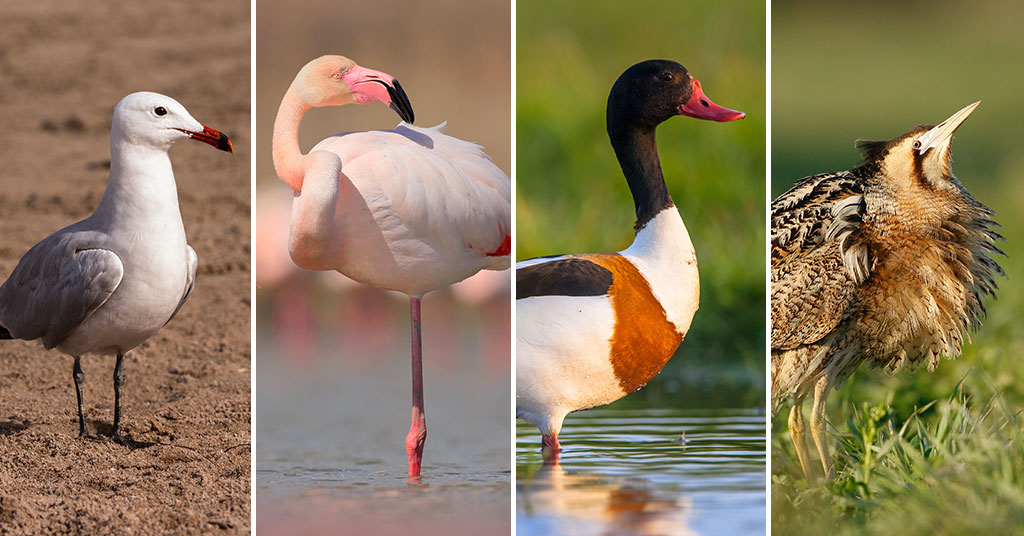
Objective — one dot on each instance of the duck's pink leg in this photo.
(418, 429)
(550, 448)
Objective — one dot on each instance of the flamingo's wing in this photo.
(432, 185)
(57, 285)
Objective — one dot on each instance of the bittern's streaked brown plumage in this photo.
(886, 263)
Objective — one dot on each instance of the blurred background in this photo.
(331, 361)
(571, 195)
(873, 70)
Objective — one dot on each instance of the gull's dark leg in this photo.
(118, 382)
(79, 377)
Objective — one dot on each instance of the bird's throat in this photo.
(637, 151)
(288, 158)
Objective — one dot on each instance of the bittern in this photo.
(887, 263)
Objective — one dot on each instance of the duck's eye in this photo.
(667, 77)
(160, 111)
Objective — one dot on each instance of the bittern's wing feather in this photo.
(817, 259)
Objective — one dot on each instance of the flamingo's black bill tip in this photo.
(400, 102)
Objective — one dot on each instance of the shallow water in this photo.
(630, 472)
(329, 454)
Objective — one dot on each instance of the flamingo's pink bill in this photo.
(384, 88)
(701, 107)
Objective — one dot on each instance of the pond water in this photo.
(329, 453)
(645, 472)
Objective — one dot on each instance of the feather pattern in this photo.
(869, 265)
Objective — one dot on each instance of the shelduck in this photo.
(593, 328)
(409, 209)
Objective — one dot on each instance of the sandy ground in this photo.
(63, 66)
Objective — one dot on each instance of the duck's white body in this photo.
(564, 344)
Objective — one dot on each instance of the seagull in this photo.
(109, 282)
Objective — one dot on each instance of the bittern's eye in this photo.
(666, 76)
(160, 111)
(917, 144)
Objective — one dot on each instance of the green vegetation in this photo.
(572, 198)
(921, 453)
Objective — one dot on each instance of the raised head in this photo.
(653, 91)
(337, 81)
(156, 120)
(921, 157)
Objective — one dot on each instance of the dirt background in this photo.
(63, 66)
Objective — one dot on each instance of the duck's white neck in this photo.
(664, 254)
(663, 238)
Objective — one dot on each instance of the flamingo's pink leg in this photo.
(418, 428)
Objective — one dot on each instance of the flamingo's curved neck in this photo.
(288, 158)
(637, 150)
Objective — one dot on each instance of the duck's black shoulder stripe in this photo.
(566, 277)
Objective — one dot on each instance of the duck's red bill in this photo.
(701, 107)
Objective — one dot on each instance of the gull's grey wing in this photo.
(190, 280)
(58, 284)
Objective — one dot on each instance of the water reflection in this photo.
(605, 505)
(629, 472)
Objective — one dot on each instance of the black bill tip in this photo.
(400, 102)
(224, 143)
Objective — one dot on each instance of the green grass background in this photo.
(923, 453)
(570, 193)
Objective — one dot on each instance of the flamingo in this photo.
(593, 328)
(109, 282)
(409, 209)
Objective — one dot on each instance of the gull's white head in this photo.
(155, 120)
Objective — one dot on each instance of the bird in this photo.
(887, 263)
(409, 209)
(109, 282)
(592, 328)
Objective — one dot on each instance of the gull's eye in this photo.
(666, 76)
(160, 111)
